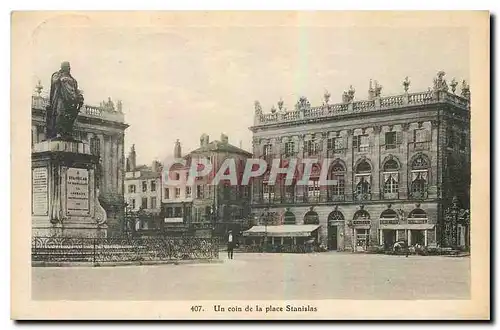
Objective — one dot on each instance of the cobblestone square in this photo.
(264, 277)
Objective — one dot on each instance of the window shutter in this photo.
(399, 137)
(355, 141)
(382, 138)
(411, 135)
(427, 136)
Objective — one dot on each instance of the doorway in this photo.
(332, 238)
(389, 238)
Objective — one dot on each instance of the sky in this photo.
(180, 81)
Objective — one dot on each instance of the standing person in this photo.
(230, 245)
(406, 247)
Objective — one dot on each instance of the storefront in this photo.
(282, 235)
(412, 233)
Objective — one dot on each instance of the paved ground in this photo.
(264, 276)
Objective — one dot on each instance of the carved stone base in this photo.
(64, 193)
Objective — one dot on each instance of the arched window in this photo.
(337, 173)
(419, 177)
(391, 178)
(311, 218)
(363, 167)
(289, 218)
(417, 214)
(95, 146)
(336, 216)
(363, 186)
(361, 215)
(389, 214)
(391, 166)
(363, 180)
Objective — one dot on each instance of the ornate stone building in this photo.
(103, 128)
(397, 162)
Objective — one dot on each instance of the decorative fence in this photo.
(112, 249)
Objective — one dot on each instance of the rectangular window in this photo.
(187, 213)
(390, 140)
(131, 188)
(289, 148)
(188, 192)
(153, 202)
(335, 144)
(169, 212)
(132, 203)
(361, 142)
(153, 185)
(144, 203)
(167, 193)
(268, 150)
(311, 147)
(178, 212)
(177, 192)
(268, 192)
(199, 191)
(313, 188)
(338, 189)
(144, 186)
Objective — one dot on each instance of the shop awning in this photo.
(424, 226)
(282, 231)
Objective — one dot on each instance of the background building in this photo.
(103, 128)
(224, 206)
(143, 192)
(177, 199)
(398, 161)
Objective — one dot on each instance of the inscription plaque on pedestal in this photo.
(39, 187)
(77, 191)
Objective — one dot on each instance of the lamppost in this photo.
(125, 218)
(266, 219)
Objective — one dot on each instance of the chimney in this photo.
(177, 149)
(132, 158)
(224, 139)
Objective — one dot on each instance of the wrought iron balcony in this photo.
(362, 197)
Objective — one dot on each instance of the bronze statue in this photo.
(64, 104)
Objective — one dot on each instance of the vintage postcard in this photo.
(250, 165)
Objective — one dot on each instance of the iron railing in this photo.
(122, 249)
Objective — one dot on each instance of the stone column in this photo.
(349, 161)
(436, 161)
(375, 158)
(34, 135)
(404, 172)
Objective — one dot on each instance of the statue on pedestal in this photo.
(65, 101)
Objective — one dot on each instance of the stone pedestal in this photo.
(64, 200)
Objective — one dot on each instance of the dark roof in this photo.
(145, 174)
(217, 146)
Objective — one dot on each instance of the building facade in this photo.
(396, 164)
(103, 128)
(142, 191)
(220, 207)
(177, 198)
